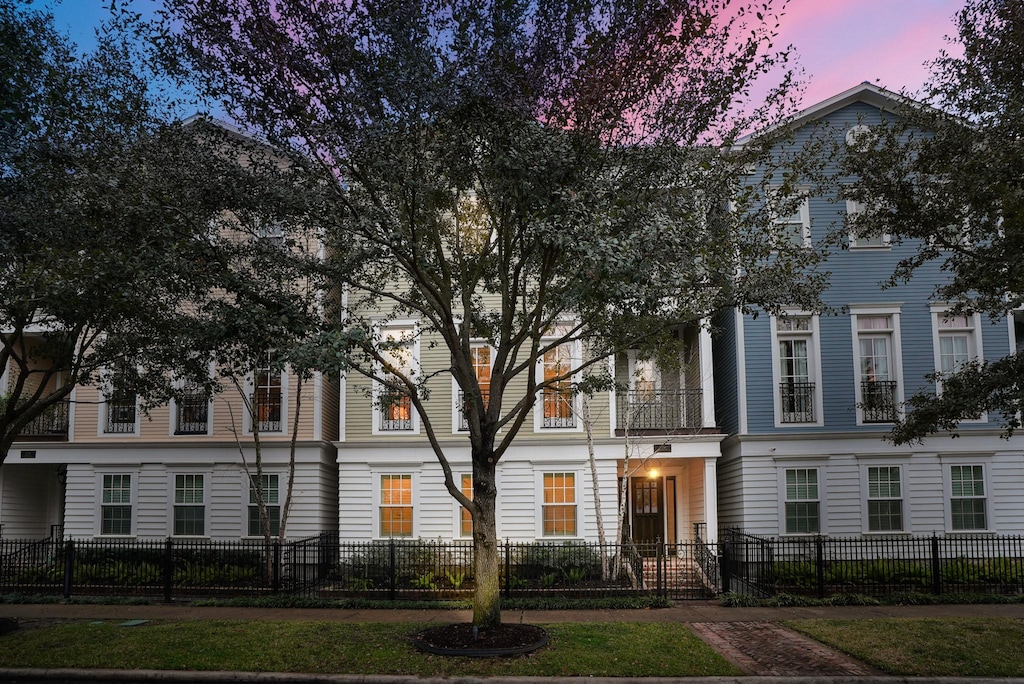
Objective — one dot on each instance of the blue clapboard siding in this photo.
(857, 277)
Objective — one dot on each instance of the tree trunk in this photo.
(486, 558)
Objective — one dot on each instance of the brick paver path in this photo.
(769, 649)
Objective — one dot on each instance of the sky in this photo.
(841, 43)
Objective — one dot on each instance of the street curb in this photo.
(71, 676)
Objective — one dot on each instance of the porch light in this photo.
(653, 473)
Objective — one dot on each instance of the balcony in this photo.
(797, 402)
(557, 405)
(463, 420)
(193, 410)
(120, 417)
(878, 401)
(661, 410)
(51, 424)
(267, 403)
(396, 414)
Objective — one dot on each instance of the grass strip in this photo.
(598, 649)
(927, 647)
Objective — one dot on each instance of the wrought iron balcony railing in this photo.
(797, 402)
(268, 410)
(661, 410)
(51, 423)
(193, 414)
(557, 405)
(878, 401)
(463, 420)
(121, 416)
(396, 413)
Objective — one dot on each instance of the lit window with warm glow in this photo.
(559, 508)
(396, 505)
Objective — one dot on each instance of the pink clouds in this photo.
(844, 42)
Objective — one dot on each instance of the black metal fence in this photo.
(875, 566)
(326, 567)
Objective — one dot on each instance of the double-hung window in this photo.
(797, 398)
(558, 511)
(396, 507)
(791, 218)
(267, 395)
(465, 519)
(192, 412)
(557, 395)
(967, 497)
(189, 505)
(802, 505)
(116, 505)
(480, 356)
(885, 499)
(271, 502)
(956, 341)
(878, 388)
(859, 238)
(394, 404)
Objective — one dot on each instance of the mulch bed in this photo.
(459, 639)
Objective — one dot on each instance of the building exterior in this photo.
(391, 484)
(808, 399)
(96, 466)
(773, 424)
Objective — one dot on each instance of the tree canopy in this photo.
(120, 263)
(527, 175)
(950, 175)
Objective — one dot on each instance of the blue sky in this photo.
(841, 42)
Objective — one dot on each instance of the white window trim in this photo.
(804, 211)
(851, 210)
(250, 389)
(172, 487)
(939, 310)
(539, 474)
(414, 474)
(895, 349)
(134, 473)
(813, 368)
(282, 488)
(904, 500)
(818, 465)
(414, 360)
(947, 490)
(575, 359)
(456, 409)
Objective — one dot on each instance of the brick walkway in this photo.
(769, 649)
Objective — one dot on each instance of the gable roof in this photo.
(866, 92)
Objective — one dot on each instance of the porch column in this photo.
(707, 375)
(711, 498)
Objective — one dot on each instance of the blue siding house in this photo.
(807, 399)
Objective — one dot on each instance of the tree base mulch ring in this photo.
(459, 640)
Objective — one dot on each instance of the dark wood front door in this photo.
(648, 510)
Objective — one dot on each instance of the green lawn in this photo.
(619, 649)
(938, 647)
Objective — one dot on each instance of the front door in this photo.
(648, 510)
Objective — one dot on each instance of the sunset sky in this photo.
(840, 42)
